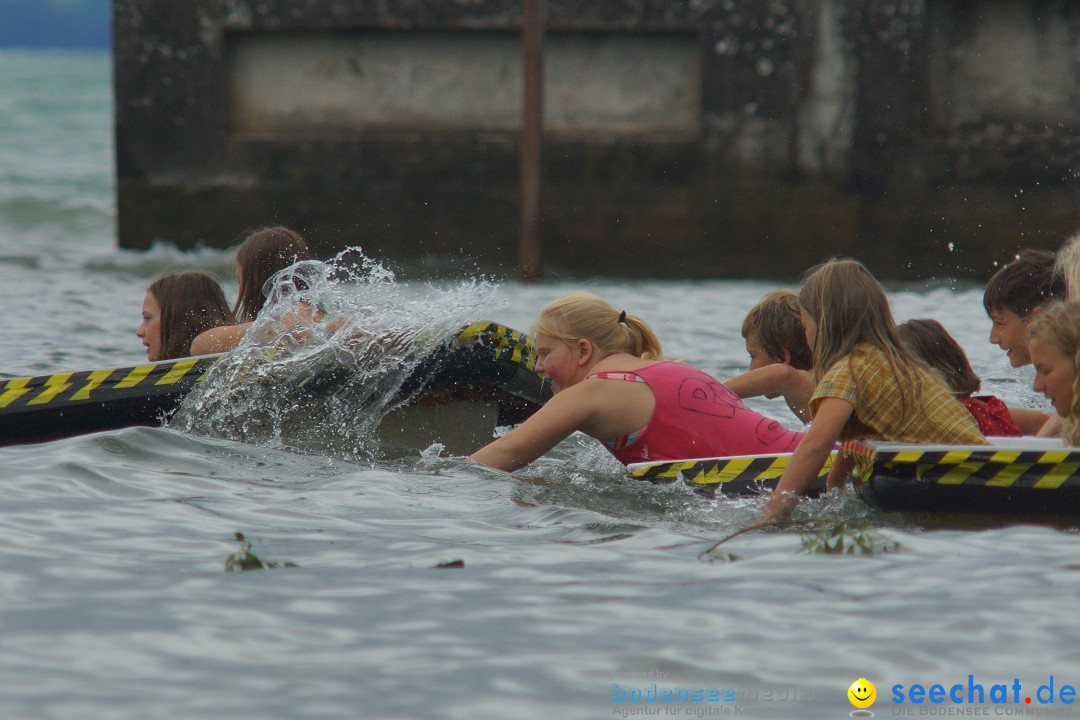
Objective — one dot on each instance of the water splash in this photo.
(337, 347)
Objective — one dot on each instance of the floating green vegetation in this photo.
(835, 537)
(819, 536)
(243, 559)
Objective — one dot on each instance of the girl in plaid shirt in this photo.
(868, 384)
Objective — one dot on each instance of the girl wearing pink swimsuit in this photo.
(695, 416)
(610, 381)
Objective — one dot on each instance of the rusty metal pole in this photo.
(532, 38)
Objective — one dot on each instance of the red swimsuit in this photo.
(695, 416)
(993, 416)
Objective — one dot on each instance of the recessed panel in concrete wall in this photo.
(594, 83)
(1004, 60)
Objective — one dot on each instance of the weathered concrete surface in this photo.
(433, 81)
(702, 138)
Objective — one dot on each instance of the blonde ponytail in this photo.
(584, 316)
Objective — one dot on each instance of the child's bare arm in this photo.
(768, 381)
(1029, 421)
(218, 340)
(838, 475)
(1052, 427)
(563, 414)
(809, 457)
(778, 379)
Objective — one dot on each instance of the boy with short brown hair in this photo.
(780, 357)
(1018, 293)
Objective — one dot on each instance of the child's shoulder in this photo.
(862, 356)
(864, 364)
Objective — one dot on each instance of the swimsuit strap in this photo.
(629, 438)
(624, 441)
(627, 376)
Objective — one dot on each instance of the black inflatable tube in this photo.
(487, 360)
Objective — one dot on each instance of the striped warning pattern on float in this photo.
(744, 470)
(92, 385)
(179, 376)
(508, 344)
(983, 466)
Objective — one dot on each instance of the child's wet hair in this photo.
(262, 254)
(1059, 327)
(1028, 282)
(584, 316)
(931, 342)
(191, 302)
(775, 325)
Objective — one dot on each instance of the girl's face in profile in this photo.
(150, 328)
(557, 360)
(1054, 375)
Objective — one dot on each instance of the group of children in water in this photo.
(832, 351)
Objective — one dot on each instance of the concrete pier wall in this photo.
(699, 138)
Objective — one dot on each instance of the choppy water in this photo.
(114, 601)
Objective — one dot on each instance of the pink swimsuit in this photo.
(695, 417)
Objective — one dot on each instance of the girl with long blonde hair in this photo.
(611, 381)
(868, 384)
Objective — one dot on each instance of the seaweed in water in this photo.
(243, 559)
(834, 537)
(819, 536)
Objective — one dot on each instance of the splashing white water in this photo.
(337, 347)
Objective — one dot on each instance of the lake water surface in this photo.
(580, 591)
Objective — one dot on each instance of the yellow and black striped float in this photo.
(485, 358)
(1026, 476)
(735, 475)
(52, 406)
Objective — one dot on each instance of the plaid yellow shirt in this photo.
(936, 418)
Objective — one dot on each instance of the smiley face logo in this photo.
(862, 693)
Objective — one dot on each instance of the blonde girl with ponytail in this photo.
(1054, 344)
(611, 381)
